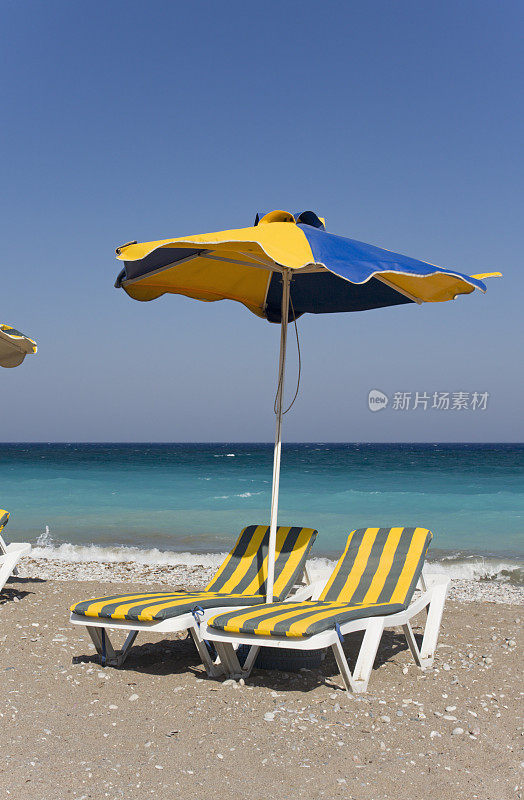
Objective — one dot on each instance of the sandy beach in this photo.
(159, 727)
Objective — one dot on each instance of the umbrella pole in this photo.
(286, 280)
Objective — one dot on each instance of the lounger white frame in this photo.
(432, 598)
(10, 555)
(98, 627)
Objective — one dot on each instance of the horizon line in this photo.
(254, 442)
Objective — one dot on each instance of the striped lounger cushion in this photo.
(376, 575)
(240, 581)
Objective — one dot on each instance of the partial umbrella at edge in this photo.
(14, 346)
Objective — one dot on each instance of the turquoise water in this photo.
(195, 498)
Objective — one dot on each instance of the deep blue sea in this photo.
(115, 501)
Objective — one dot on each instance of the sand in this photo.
(159, 728)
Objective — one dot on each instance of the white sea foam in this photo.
(473, 568)
(478, 568)
(242, 494)
(72, 553)
(45, 539)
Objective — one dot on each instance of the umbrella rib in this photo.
(166, 266)
(210, 256)
(257, 265)
(310, 268)
(273, 267)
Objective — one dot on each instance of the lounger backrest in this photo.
(245, 569)
(379, 565)
(4, 519)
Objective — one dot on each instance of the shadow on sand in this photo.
(169, 657)
(10, 594)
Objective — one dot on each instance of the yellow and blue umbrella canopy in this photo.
(284, 266)
(329, 273)
(14, 346)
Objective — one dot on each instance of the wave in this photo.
(479, 568)
(242, 494)
(74, 553)
(457, 566)
(474, 568)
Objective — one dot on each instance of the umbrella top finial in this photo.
(303, 217)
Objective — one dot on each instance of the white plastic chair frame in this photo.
(432, 598)
(10, 555)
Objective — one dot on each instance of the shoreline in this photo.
(180, 576)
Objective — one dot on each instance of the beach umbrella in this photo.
(284, 266)
(14, 346)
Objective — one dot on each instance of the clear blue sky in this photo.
(402, 123)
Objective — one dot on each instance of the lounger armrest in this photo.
(310, 592)
(436, 579)
(18, 548)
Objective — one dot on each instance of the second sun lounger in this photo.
(239, 582)
(10, 554)
(371, 589)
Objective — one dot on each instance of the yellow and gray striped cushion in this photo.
(244, 571)
(296, 620)
(376, 575)
(379, 565)
(155, 607)
(240, 581)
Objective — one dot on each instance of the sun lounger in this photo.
(10, 554)
(239, 582)
(371, 588)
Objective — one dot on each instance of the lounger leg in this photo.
(343, 667)
(250, 660)
(228, 658)
(212, 669)
(235, 670)
(431, 632)
(102, 643)
(367, 653)
(128, 644)
(109, 656)
(410, 638)
(223, 657)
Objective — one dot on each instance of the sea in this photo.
(186, 503)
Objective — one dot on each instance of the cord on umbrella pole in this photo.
(299, 366)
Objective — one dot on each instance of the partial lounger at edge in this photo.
(10, 554)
